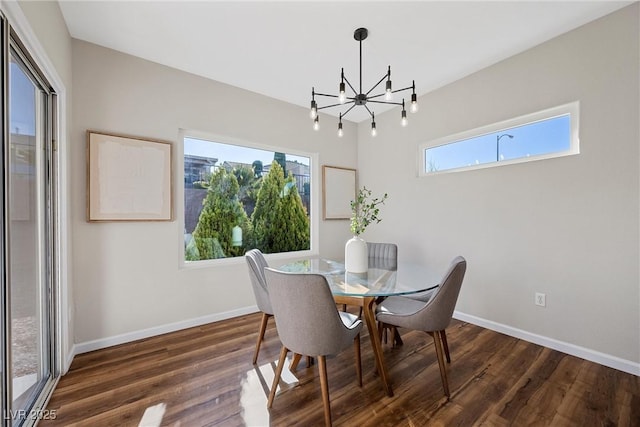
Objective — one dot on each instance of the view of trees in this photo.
(266, 210)
(280, 221)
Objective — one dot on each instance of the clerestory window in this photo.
(541, 135)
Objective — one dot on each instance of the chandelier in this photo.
(361, 98)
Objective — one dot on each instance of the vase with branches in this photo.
(365, 210)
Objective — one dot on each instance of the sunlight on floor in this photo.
(255, 391)
(152, 416)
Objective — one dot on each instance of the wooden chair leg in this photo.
(356, 346)
(276, 378)
(380, 330)
(324, 384)
(443, 336)
(263, 328)
(295, 360)
(396, 340)
(443, 368)
(384, 330)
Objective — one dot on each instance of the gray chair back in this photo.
(383, 255)
(439, 309)
(435, 315)
(307, 320)
(257, 264)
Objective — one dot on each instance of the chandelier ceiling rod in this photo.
(361, 98)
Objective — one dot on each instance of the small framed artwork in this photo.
(128, 178)
(338, 190)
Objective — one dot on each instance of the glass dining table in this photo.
(363, 289)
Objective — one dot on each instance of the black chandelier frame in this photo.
(361, 98)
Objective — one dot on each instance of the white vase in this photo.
(356, 255)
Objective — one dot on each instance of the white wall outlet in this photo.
(541, 299)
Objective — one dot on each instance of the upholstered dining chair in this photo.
(384, 255)
(309, 324)
(425, 296)
(257, 264)
(380, 255)
(432, 316)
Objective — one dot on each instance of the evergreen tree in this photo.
(281, 158)
(264, 213)
(279, 220)
(249, 186)
(246, 180)
(292, 223)
(222, 210)
(257, 168)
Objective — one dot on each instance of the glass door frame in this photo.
(11, 45)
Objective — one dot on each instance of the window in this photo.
(238, 198)
(545, 134)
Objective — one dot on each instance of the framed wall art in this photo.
(128, 178)
(338, 190)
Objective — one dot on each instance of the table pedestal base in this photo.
(368, 306)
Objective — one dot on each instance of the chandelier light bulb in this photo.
(316, 124)
(414, 103)
(314, 110)
(374, 132)
(340, 131)
(404, 120)
(342, 97)
(388, 95)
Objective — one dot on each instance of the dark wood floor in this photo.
(204, 377)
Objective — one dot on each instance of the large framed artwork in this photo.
(128, 178)
(338, 190)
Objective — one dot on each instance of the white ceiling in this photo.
(282, 49)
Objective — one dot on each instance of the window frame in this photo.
(314, 222)
(572, 109)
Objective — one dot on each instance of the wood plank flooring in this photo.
(203, 376)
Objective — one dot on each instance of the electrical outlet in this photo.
(541, 299)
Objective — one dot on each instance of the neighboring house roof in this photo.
(232, 165)
(294, 167)
(200, 160)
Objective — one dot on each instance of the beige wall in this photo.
(567, 227)
(49, 27)
(127, 275)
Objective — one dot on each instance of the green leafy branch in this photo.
(365, 210)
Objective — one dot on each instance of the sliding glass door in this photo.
(28, 230)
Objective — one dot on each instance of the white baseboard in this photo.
(158, 330)
(574, 350)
